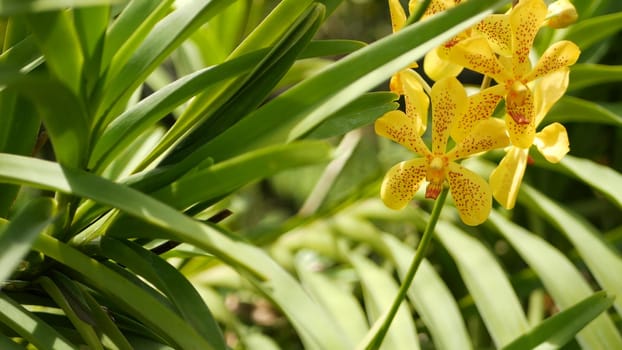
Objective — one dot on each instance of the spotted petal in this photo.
(505, 180)
(437, 65)
(520, 104)
(398, 17)
(521, 135)
(471, 194)
(402, 182)
(475, 54)
(481, 106)
(559, 55)
(449, 102)
(525, 21)
(434, 7)
(549, 90)
(552, 142)
(486, 135)
(496, 29)
(397, 126)
(417, 102)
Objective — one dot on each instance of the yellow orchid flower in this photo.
(511, 36)
(472, 195)
(561, 14)
(551, 141)
(398, 19)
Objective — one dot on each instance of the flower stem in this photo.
(422, 248)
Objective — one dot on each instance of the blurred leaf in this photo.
(379, 290)
(588, 74)
(14, 7)
(222, 178)
(556, 273)
(360, 112)
(589, 31)
(168, 280)
(488, 284)
(602, 260)
(429, 294)
(319, 48)
(31, 327)
(573, 109)
(342, 304)
(316, 329)
(58, 40)
(7, 344)
(559, 329)
(17, 236)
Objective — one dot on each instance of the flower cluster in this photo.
(498, 47)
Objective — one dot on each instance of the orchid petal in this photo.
(471, 193)
(559, 55)
(548, 91)
(475, 54)
(398, 17)
(402, 182)
(434, 7)
(521, 135)
(496, 29)
(417, 102)
(449, 101)
(525, 21)
(552, 142)
(436, 64)
(505, 180)
(481, 106)
(561, 14)
(397, 126)
(486, 135)
(520, 104)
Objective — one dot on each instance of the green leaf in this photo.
(17, 236)
(225, 177)
(58, 40)
(31, 327)
(63, 115)
(590, 31)
(142, 305)
(602, 260)
(300, 109)
(573, 109)
(7, 344)
(136, 119)
(342, 305)
(559, 329)
(316, 329)
(429, 294)
(488, 284)
(167, 35)
(379, 290)
(62, 300)
(360, 112)
(129, 29)
(14, 7)
(168, 280)
(556, 273)
(589, 74)
(601, 178)
(319, 48)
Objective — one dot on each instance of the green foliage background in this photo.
(201, 175)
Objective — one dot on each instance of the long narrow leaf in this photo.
(557, 273)
(17, 236)
(489, 286)
(556, 331)
(30, 327)
(14, 7)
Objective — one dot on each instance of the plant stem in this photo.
(420, 10)
(422, 248)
